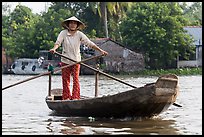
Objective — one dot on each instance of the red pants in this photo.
(66, 73)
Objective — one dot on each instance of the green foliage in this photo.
(193, 13)
(156, 30)
(157, 72)
(19, 33)
(49, 27)
(153, 28)
(94, 27)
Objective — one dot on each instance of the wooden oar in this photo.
(47, 73)
(96, 70)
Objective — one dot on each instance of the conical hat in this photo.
(73, 18)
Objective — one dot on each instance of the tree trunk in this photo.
(104, 16)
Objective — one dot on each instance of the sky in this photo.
(36, 7)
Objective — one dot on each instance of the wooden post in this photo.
(49, 88)
(96, 80)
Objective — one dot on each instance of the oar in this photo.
(96, 70)
(47, 73)
(177, 105)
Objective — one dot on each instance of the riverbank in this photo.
(179, 71)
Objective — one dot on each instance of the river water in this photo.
(25, 112)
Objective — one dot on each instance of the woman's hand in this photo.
(104, 52)
(52, 51)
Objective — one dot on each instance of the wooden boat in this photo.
(146, 101)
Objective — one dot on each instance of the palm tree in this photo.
(114, 8)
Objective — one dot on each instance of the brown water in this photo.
(25, 112)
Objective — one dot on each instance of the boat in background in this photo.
(27, 66)
(30, 66)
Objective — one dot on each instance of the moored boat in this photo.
(33, 66)
(27, 66)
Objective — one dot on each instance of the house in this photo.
(196, 33)
(119, 59)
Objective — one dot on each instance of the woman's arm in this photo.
(99, 49)
(53, 50)
(58, 42)
(85, 40)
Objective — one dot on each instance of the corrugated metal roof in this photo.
(196, 33)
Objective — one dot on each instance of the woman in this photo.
(71, 38)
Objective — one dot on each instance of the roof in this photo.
(101, 41)
(195, 32)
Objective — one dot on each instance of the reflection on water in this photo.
(106, 126)
(25, 112)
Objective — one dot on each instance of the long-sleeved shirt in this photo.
(71, 44)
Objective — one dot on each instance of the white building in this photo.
(196, 33)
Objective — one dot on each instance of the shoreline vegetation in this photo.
(143, 73)
(178, 71)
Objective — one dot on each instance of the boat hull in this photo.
(147, 101)
(28, 66)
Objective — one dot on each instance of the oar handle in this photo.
(96, 70)
(98, 56)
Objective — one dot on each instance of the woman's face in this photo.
(73, 25)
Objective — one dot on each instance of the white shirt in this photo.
(71, 44)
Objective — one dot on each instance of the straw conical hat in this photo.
(73, 18)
